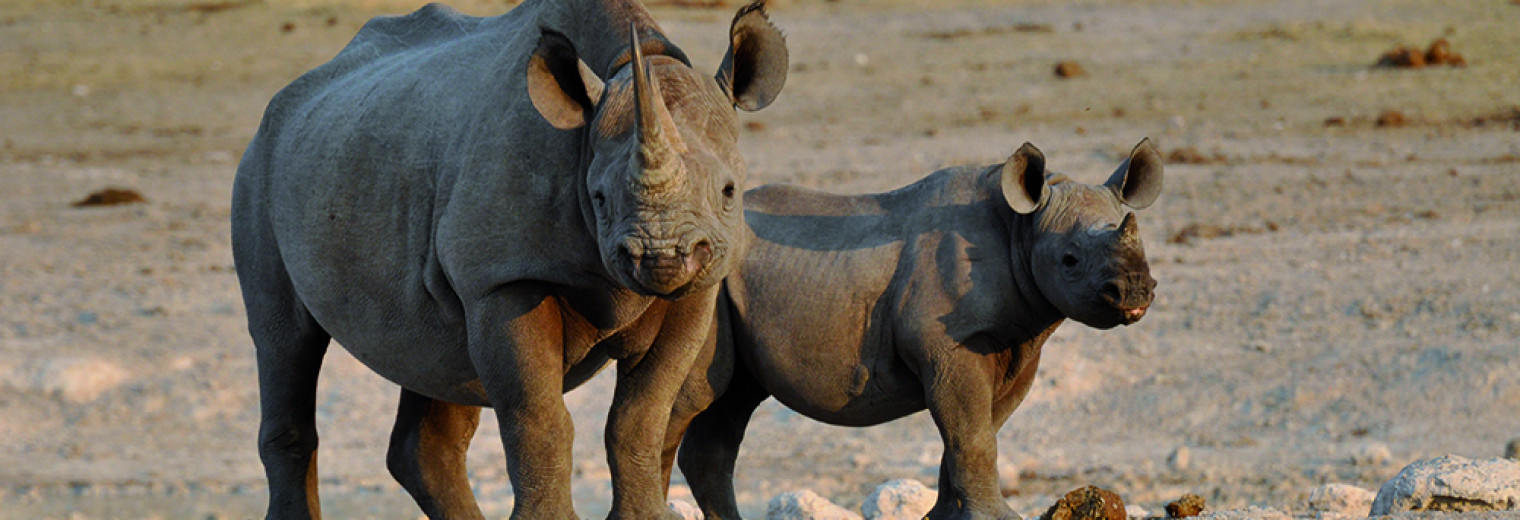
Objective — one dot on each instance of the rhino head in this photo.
(1084, 249)
(664, 179)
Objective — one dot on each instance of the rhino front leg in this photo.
(647, 386)
(708, 376)
(516, 347)
(427, 455)
(962, 410)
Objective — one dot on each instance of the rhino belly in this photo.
(836, 385)
(410, 341)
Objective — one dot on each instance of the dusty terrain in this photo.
(1337, 297)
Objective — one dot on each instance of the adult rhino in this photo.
(857, 310)
(486, 211)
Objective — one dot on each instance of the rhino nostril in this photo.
(701, 253)
(1111, 293)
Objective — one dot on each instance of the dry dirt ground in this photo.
(1337, 297)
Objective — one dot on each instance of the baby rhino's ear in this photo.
(1138, 180)
(1023, 180)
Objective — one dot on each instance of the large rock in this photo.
(1340, 500)
(903, 499)
(806, 505)
(1452, 483)
(1087, 503)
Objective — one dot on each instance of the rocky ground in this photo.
(1338, 245)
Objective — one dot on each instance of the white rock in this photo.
(903, 499)
(1452, 483)
(685, 509)
(1180, 459)
(1340, 500)
(1134, 511)
(806, 505)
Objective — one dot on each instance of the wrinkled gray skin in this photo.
(487, 211)
(857, 310)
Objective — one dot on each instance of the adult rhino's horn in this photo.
(660, 142)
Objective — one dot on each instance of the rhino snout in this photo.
(665, 271)
(1130, 293)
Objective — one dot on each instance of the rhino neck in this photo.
(1038, 317)
(599, 30)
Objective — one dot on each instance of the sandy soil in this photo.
(1336, 299)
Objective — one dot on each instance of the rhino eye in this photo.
(1069, 260)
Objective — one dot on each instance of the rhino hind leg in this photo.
(711, 446)
(427, 455)
(289, 350)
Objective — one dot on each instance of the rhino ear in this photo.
(562, 87)
(1023, 180)
(1138, 180)
(754, 69)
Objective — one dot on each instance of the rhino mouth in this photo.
(1130, 316)
(669, 276)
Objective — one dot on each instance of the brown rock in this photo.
(1440, 53)
(1188, 505)
(1069, 69)
(1402, 57)
(1087, 503)
(110, 197)
(1335, 121)
(1391, 118)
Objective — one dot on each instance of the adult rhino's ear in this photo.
(1138, 180)
(562, 87)
(754, 69)
(1023, 180)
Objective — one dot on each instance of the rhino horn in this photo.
(660, 142)
(1129, 231)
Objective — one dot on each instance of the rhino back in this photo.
(410, 170)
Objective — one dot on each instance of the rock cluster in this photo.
(1439, 53)
(1444, 484)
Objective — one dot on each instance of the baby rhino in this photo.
(857, 310)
